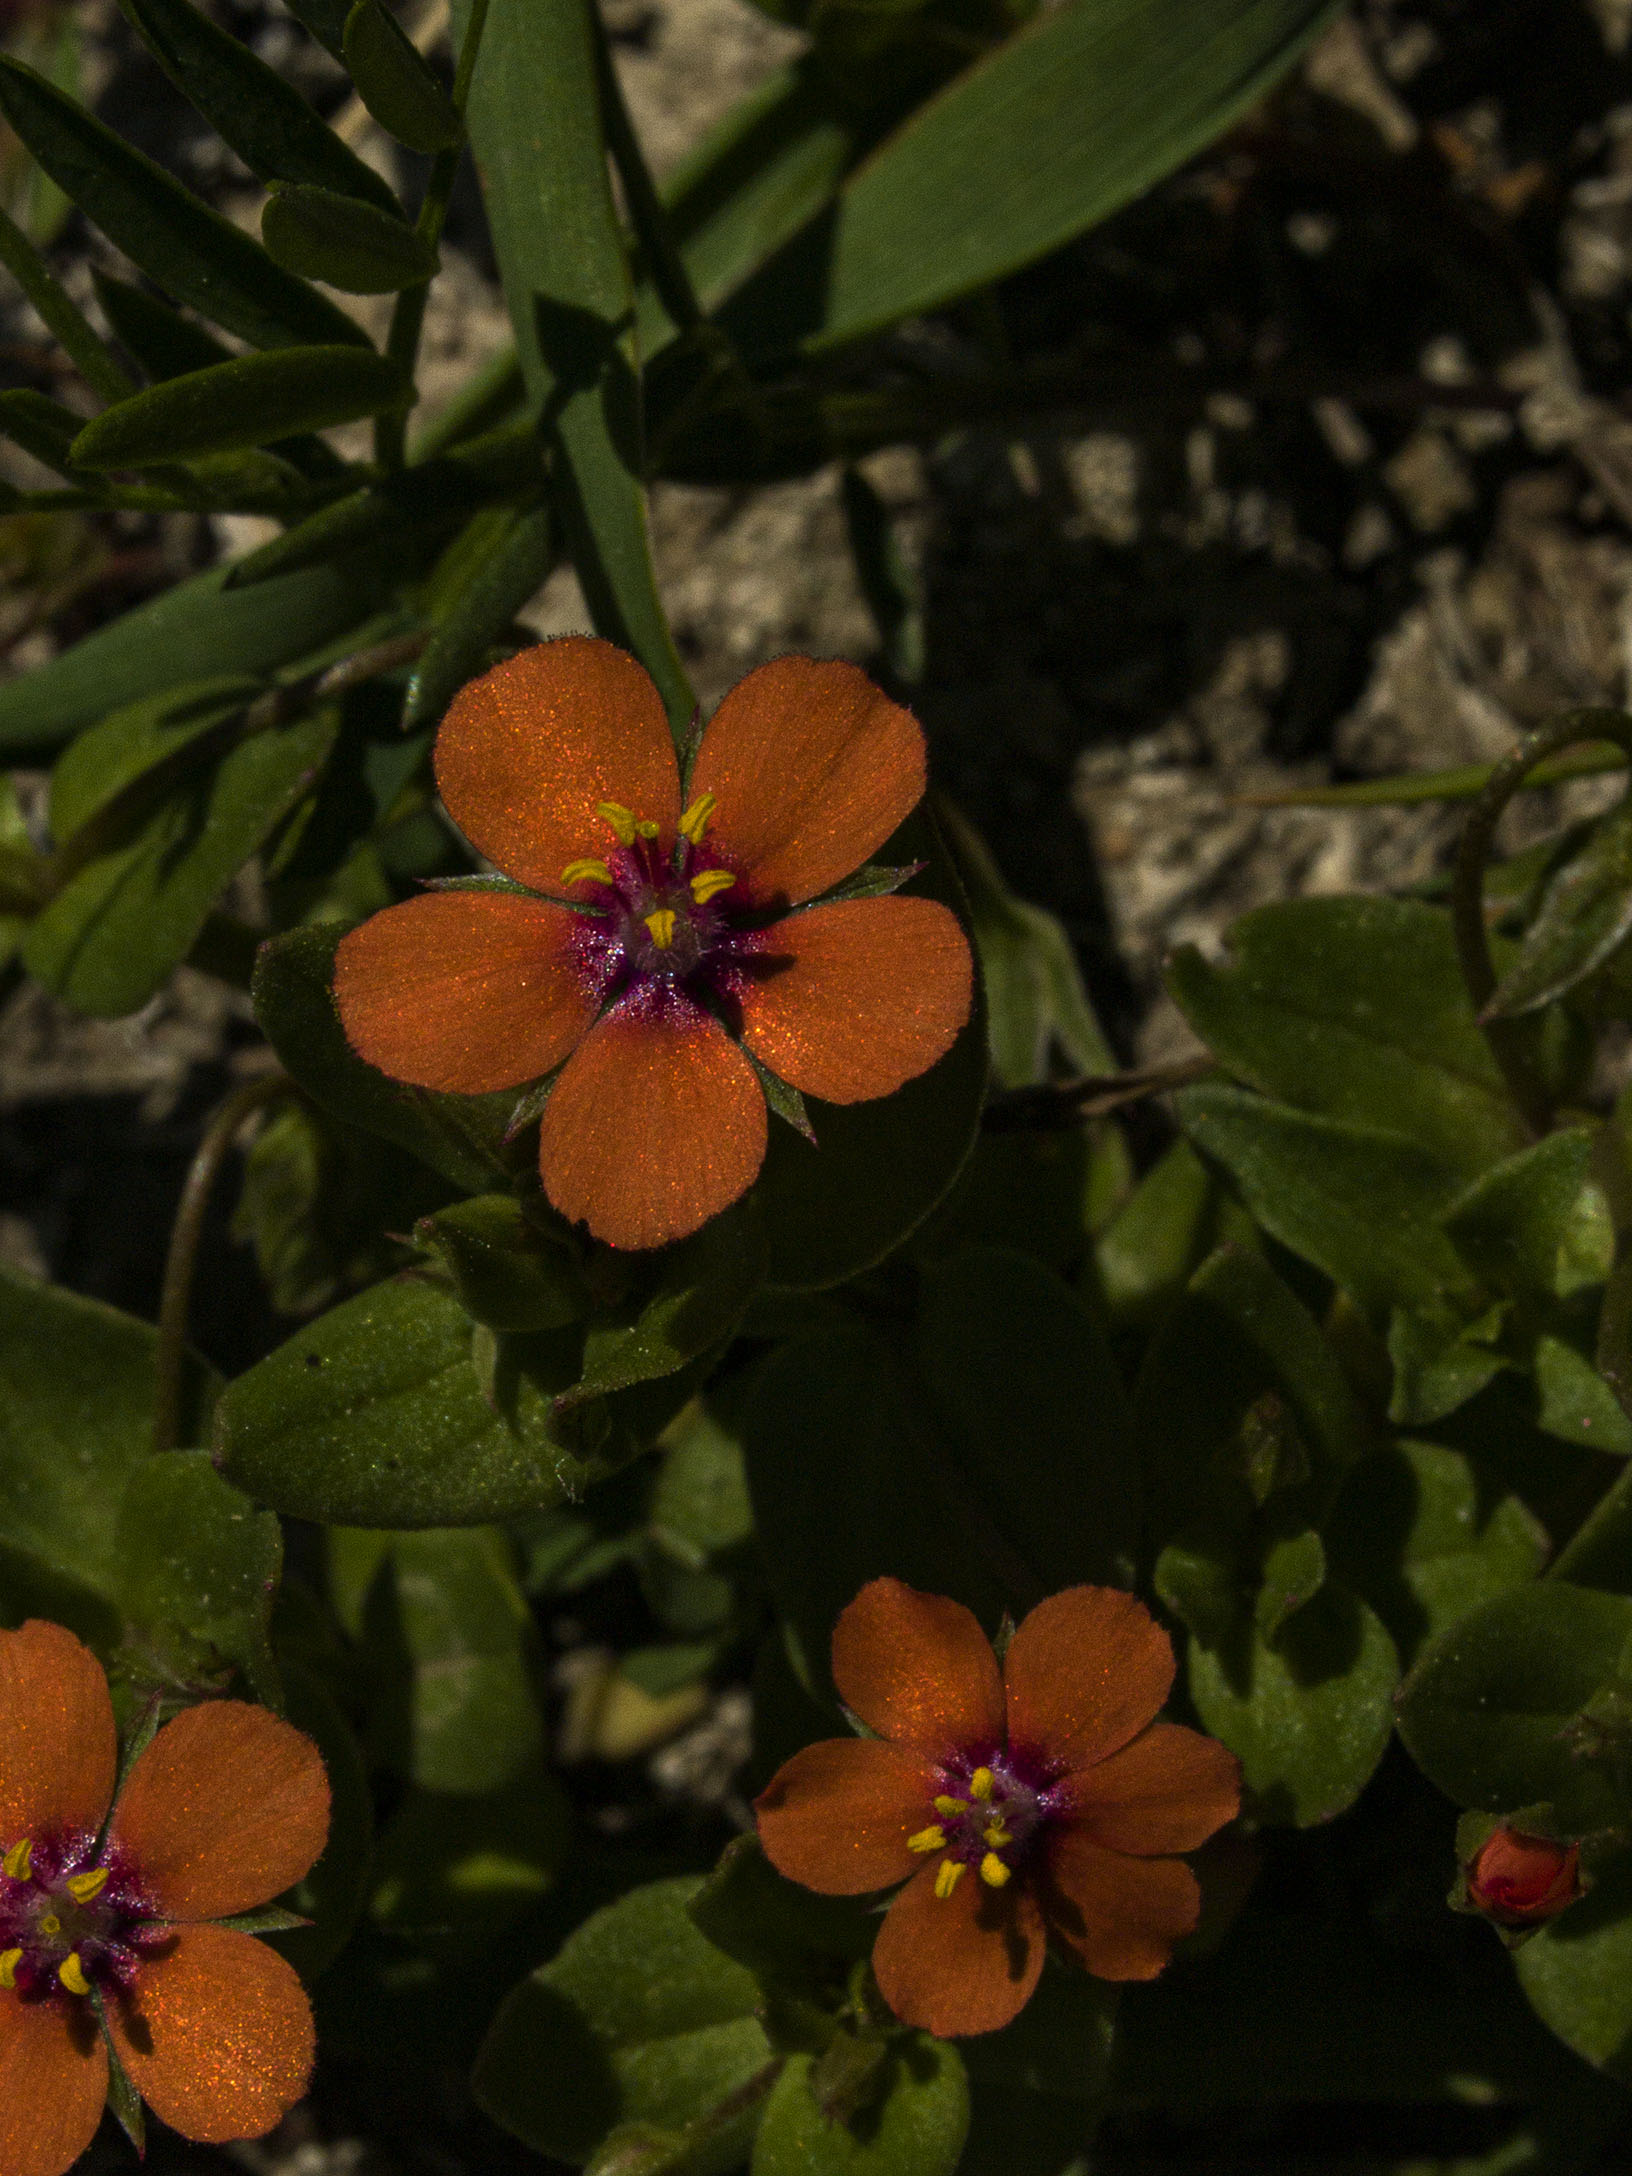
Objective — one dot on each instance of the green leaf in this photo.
(1360, 1203)
(1535, 1225)
(136, 740)
(198, 257)
(787, 1936)
(1162, 1233)
(249, 105)
(506, 1272)
(510, 572)
(197, 1554)
(396, 83)
(1034, 1413)
(535, 126)
(916, 2128)
(460, 1136)
(1577, 1973)
(1599, 1552)
(1355, 1009)
(1487, 1711)
(326, 20)
(636, 2019)
(162, 341)
(1059, 127)
(1294, 1572)
(345, 241)
(375, 1416)
(698, 1294)
(1309, 1717)
(454, 1869)
(130, 915)
(1585, 912)
(1575, 1402)
(196, 631)
(250, 401)
(1426, 1540)
(458, 1652)
(1061, 2046)
(41, 426)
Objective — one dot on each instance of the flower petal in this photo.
(848, 1001)
(465, 991)
(837, 1816)
(526, 752)
(962, 1963)
(58, 1750)
(53, 2082)
(1121, 1915)
(917, 1668)
(216, 2034)
(657, 1123)
(812, 768)
(1085, 1672)
(1168, 1790)
(226, 1808)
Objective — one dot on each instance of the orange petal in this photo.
(526, 752)
(848, 1001)
(1121, 1915)
(657, 1123)
(226, 1808)
(1085, 1672)
(58, 1751)
(813, 768)
(837, 1816)
(216, 2034)
(918, 1668)
(1168, 1790)
(962, 1963)
(466, 991)
(53, 2081)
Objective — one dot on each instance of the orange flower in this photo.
(1518, 1880)
(654, 948)
(1040, 1801)
(226, 1807)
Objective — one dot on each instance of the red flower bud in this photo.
(1521, 1881)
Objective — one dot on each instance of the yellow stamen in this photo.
(72, 1974)
(697, 818)
(928, 1839)
(993, 1872)
(10, 1959)
(661, 925)
(50, 1924)
(981, 1783)
(996, 1835)
(709, 882)
(947, 1876)
(620, 818)
(82, 1887)
(645, 828)
(16, 1861)
(950, 1808)
(586, 872)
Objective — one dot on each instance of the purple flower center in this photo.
(71, 1918)
(987, 1815)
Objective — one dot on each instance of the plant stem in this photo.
(170, 1359)
(1508, 1039)
(651, 222)
(408, 318)
(62, 316)
(1056, 1104)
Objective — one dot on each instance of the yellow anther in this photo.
(10, 1959)
(697, 818)
(708, 883)
(82, 1887)
(645, 828)
(72, 1974)
(950, 1808)
(928, 1839)
(981, 1783)
(661, 925)
(16, 1861)
(993, 1872)
(50, 1924)
(947, 1876)
(996, 1835)
(586, 872)
(620, 818)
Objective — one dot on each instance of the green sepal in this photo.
(270, 1919)
(787, 1103)
(123, 2098)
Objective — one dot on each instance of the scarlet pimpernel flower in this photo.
(106, 1923)
(1040, 1800)
(1519, 1881)
(668, 937)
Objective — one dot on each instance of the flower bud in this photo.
(1522, 1881)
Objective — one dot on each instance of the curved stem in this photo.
(1509, 1043)
(170, 1359)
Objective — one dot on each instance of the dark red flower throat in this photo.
(71, 1918)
